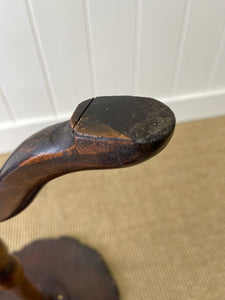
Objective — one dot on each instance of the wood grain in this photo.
(104, 132)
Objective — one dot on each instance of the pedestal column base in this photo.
(65, 269)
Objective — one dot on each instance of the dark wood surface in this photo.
(104, 132)
(64, 269)
(13, 279)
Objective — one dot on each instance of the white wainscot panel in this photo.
(5, 112)
(218, 74)
(62, 31)
(201, 42)
(161, 23)
(113, 36)
(4, 117)
(20, 71)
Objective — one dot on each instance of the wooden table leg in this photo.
(13, 279)
(103, 133)
(62, 269)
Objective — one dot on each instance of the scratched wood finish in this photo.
(104, 132)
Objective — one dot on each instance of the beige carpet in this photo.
(160, 225)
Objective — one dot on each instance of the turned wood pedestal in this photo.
(59, 269)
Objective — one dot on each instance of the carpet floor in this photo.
(160, 225)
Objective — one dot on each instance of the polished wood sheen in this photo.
(104, 132)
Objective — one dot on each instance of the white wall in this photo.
(56, 53)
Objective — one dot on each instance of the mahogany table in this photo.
(103, 132)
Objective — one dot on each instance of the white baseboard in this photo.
(186, 108)
(198, 106)
(13, 134)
